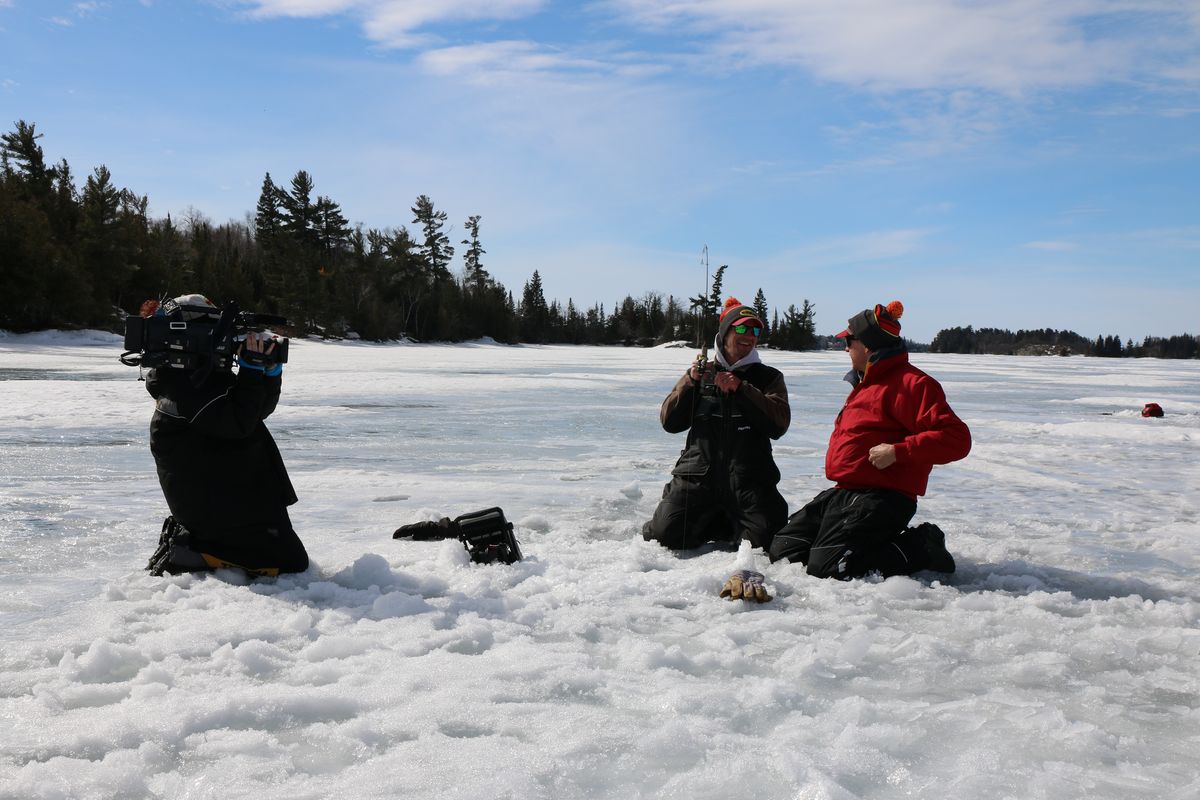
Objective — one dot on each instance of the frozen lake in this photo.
(1062, 660)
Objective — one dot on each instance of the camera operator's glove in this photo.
(258, 353)
(745, 585)
(256, 359)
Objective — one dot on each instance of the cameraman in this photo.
(219, 468)
(723, 485)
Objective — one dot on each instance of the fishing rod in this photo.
(701, 314)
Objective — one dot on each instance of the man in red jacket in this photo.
(895, 426)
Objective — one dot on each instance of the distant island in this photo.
(1047, 341)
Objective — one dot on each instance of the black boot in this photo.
(174, 553)
(933, 541)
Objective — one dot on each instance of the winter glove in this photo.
(745, 585)
(259, 354)
(256, 359)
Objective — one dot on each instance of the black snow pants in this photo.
(256, 547)
(847, 533)
(692, 513)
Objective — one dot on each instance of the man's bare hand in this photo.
(882, 456)
(260, 343)
(727, 382)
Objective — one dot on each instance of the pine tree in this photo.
(808, 326)
(476, 276)
(21, 146)
(796, 331)
(64, 203)
(706, 308)
(435, 248)
(760, 308)
(268, 214)
(299, 211)
(715, 301)
(534, 312)
(331, 226)
(406, 283)
(103, 257)
(300, 253)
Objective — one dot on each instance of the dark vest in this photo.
(726, 444)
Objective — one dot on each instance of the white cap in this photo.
(184, 301)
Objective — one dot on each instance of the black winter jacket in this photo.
(217, 462)
(729, 435)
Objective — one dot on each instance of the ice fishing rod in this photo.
(701, 313)
(701, 363)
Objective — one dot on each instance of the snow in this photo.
(1061, 660)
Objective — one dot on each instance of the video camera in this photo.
(194, 336)
(486, 534)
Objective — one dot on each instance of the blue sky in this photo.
(1018, 163)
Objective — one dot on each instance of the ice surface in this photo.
(1062, 660)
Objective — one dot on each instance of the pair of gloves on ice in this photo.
(745, 584)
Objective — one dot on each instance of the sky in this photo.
(1012, 164)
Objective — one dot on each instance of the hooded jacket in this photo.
(894, 403)
(730, 434)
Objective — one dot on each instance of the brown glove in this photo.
(745, 585)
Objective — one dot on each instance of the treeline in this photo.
(1181, 346)
(72, 257)
(1048, 341)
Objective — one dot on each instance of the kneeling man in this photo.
(895, 426)
(723, 487)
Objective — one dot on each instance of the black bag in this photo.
(486, 534)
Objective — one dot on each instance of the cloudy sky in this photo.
(1016, 163)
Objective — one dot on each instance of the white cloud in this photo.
(1004, 46)
(396, 23)
(301, 8)
(487, 61)
(1007, 46)
(79, 10)
(392, 23)
(945, 72)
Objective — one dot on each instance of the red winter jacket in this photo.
(894, 403)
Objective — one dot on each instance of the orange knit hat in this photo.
(735, 313)
(878, 328)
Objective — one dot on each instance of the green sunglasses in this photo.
(754, 329)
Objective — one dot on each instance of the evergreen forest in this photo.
(84, 257)
(74, 257)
